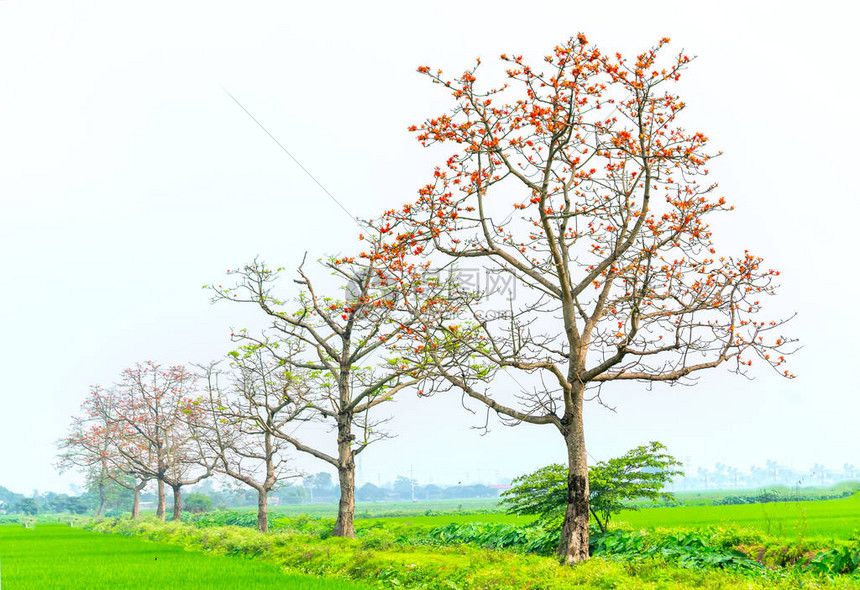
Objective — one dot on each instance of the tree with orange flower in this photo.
(90, 446)
(577, 181)
(147, 415)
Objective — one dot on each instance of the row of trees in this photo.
(579, 186)
(157, 424)
(136, 432)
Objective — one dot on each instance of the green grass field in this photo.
(826, 519)
(823, 520)
(59, 557)
(706, 497)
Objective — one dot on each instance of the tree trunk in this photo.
(100, 511)
(573, 546)
(159, 512)
(135, 506)
(263, 510)
(345, 526)
(177, 502)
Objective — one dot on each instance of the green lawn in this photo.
(824, 519)
(59, 557)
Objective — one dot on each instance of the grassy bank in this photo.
(386, 560)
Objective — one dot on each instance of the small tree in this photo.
(27, 506)
(94, 445)
(197, 502)
(149, 427)
(320, 486)
(237, 424)
(86, 448)
(641, 473)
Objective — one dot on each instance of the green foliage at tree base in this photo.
(641, 473)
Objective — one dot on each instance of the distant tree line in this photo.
(402, 489)
(766, 496)
(48, 502)
(321, 488)
(727, 477)
(318, 488)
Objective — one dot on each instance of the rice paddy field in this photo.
(59, 557)
(53, 555)
(826, 519)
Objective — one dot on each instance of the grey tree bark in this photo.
(162, 504)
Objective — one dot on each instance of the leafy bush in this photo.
(198, 502)
(221, 518)
(528, 539)
(692, 549)
(839, 560)
(641, 472)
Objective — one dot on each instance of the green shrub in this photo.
(197, 503)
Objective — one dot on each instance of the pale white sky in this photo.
(128, 179)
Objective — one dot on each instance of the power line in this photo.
(292, 157)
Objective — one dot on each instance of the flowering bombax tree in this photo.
(340, 355)
(91, 446)
(237, 421)
(150, 414)
(577, 181)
